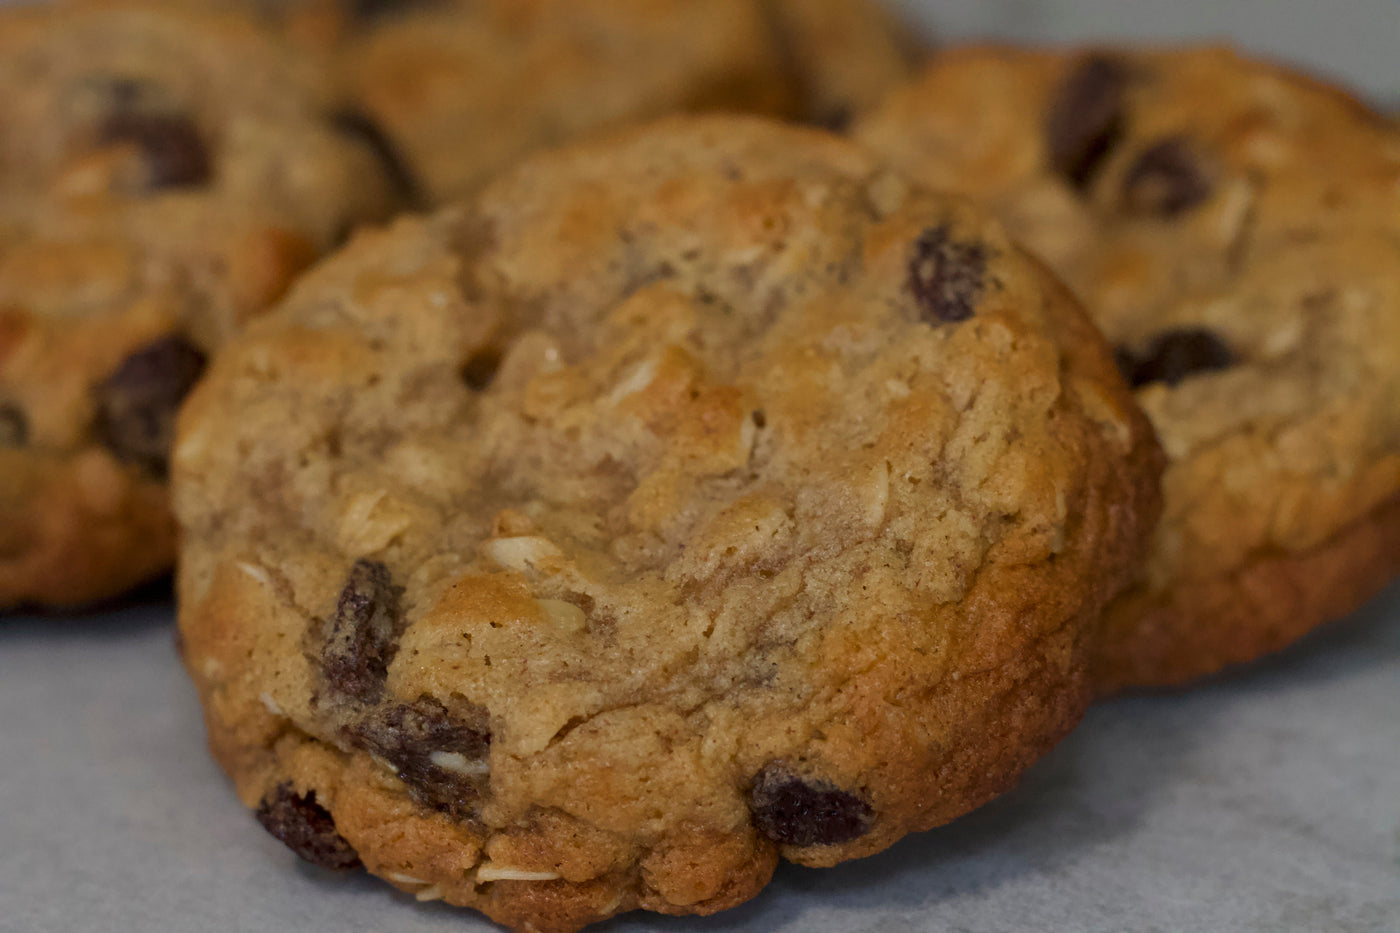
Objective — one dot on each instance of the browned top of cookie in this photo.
(1235, 229)
(162, 177)
(466, 88)
(697, 494)
(843, 56)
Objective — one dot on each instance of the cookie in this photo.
(1235, 229)
(467, 88)
(689, 499)
(842, 56)
(162, 178)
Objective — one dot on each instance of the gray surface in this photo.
(1353, 40)
(1266, 802)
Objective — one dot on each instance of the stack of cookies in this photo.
(586, 498)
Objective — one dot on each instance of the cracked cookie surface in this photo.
(1235, 230)
(162, 178)
(689, 499)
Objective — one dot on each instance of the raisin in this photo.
(356, 125)
(362, 637)
(1175, 356)
(803, 812)
(439, 755)
(14, 426)
(135, 407)
(1086, 118)
(480, 369)
(1127, 363)
(947, 277)
(171, 149)
(305, 827)
(1166, 180)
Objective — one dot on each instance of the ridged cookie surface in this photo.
(689, 499)
(1235, 230)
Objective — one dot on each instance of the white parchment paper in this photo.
(1268, 801)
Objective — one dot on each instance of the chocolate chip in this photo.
(173, 152)
(1174, 356)
(947, 277)
(1086, 118)
(136, 405)
(440, 754)
(481, 368)
(361, 639)
(356, 125)
(1166, 180)
(305, 827)
(14, 427)
(798, 811)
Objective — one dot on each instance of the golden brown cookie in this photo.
(467, 88)
(687, 500)
(162, 178)
(1235, 229)
(842, 56)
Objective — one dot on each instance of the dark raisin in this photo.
(1086, 118)
(1166, 180)
(1127, 363)
(439, 754)
(361, 639)
(173, 153)
(356, 125)
(760, 419)
(1174, 356)
(798, 811)
(135, 407)
(305, 827)
(14, 427)
(947, 277)
(481, 368)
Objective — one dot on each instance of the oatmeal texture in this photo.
(1235, 230)
(163, 176)
(690, 499)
